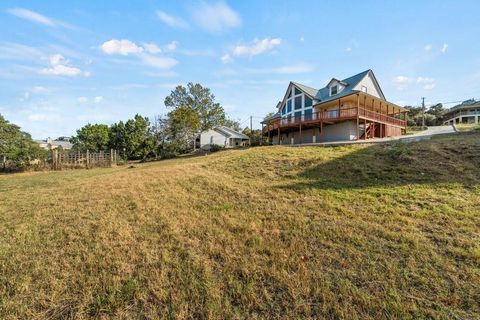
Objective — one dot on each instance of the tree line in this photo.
(433, 115)
(192, 109)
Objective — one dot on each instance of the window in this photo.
(333, 90)
(289, 106)
(364, 89)
(298, 102)
(290, 94)
(308, 114)
(297, 91)
(298, 116)
(284, 110)
(308, 102)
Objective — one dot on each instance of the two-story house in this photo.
(466, 112)
(350, 109)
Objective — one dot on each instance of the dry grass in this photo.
(357, 232)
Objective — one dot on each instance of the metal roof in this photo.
(323, 94)
(230, 133)
(468, 104)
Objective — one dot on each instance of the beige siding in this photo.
(368, 82)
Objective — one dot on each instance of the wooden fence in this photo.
(87, 159)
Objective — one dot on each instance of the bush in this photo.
(215, 148)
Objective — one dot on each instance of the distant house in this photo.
(50, 144)
(466, 112)
(354, 108)
(224, 137)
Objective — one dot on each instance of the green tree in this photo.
(93, 137)
(437, 111)
(17, 148)
(136, 137)
(193, 110)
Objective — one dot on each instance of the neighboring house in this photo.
(224, 137)
(350, 109)
(466, 112)
(50, 144)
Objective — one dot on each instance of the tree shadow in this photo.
(436, 161)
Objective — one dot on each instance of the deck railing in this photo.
(332, 116)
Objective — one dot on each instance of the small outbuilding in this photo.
(224, 137)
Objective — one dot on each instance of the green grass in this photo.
(353, 232)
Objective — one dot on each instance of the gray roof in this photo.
(63, 144)
(230, 133)
(323, 94)
(468, 104)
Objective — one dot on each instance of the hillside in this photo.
(354, 232)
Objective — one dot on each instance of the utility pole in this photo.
(251, 124)
(423, 113)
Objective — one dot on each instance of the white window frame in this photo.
(331, 90)
(364, 89)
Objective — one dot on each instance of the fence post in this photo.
(111, 157)
(54, 159)
(87, 158)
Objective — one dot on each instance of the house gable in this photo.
(370, 85)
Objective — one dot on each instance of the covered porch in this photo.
(371, 117)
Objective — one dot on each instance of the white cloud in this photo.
(428, 47)
(403, 82)
(61, 67)
(302, 39)
(158, 62)
(145, 53)
(171, 21)
(444, 48)
(172, 46)
(348, 49)
(226, 58)
(123, 47)
(152, 48)
(82, 99)
(215, 17)
(98, 99)
(31, 16)
(257, 47)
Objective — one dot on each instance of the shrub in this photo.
(215, 148)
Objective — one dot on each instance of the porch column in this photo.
(358, 116)
(278, 135)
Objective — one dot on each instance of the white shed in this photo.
(223, 137)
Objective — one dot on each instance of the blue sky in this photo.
(64, 64)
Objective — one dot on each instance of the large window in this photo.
(289, 106)
(298, 102)
(308, 102)
(308, 114)
(284, 110)
(298, 116)
(297, 91)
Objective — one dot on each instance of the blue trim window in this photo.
(298, 116)
(298, 102)
(307, 114)
(284, 110)
(308, 102)
(289, 106)
(297, 91)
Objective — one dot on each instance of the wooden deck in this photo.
(333, 116)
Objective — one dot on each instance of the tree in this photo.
(235, 125)
(193, 110)
(17, 148)
(437, 111)
(93, 137)
(136, 136)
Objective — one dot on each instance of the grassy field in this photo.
(353, 232)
